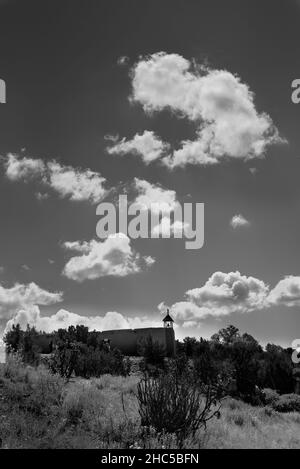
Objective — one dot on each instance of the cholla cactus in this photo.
(170, 403)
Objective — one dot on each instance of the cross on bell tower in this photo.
(168, 321)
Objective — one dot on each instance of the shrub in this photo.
(87, 362)
(287, 403)
(64, 359)
(33, 389)
(94, 363)
(270, 396)
(172, 404)
(153, 352)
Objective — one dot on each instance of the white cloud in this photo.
(153, 196)
(146, 145)
(239, 221)
(286, 292)
(166, 227)
(253, 171)
(216, 100)
(42, 196)
(114, 257)
(25, 169)
(77, 184)
(221, 295)
(24, 296)
(123, 60)
(63, 319)
(191, 152)
(73, 183)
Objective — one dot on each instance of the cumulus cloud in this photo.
(227, 293)
(239, 221)
(191, 152)
(222, 107)
(74, 183)
(286, 292)
(230, 291)
(112, 257)
(221, 295)
(24, 296)
(165, 228)
(146, 145)
(17, 168)
(77, 184)
(63, 319)
(154, 197)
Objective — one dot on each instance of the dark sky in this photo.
(65, 92)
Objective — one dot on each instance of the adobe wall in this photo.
(127, 340)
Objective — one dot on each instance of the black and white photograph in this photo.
(150, 227)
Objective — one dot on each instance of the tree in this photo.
(13, 339)
(153, 352)
(227, 335)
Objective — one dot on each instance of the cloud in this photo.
(112, 257)
(123, 60)
(191, 152)
(232, 291)
(221, 295)
(75, 184)
(63, 319)
(239, 221)
(24, 296)
(286, 292)
(166, 228)
(227, 293)
(23, 169)
(253, 171)
(42, 196)
(217, 101)
(154, 197)
(146, 145)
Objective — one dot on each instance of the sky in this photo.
(172, 101)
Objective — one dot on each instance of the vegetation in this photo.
(74, 351)
(172, 403)
(240, 363)
(83, 394)
(42, 410)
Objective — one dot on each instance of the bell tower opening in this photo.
(168, 320)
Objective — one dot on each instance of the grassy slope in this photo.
(38, 410)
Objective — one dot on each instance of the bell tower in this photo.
(168, 321)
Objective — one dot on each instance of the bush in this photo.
(171, 404)
(270, 396)
(287, 403)
(153, 352)
(94, 363)
(33, 390)
(87, 362)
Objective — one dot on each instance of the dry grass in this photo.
(39, 410)
(244, 426)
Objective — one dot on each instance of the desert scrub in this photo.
(287, 403)
(174, 404)
(32, 389)
(270, 396)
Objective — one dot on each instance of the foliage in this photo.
(170, 403)
(239, 362)
(41, 410)
(153, 352)
(287, 403)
